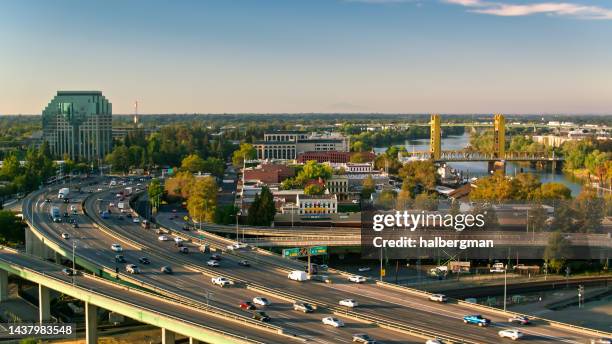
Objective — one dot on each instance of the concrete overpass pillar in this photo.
(167, 336)
(3, 285)
(91, 323)
(44, 303)
(193, 341)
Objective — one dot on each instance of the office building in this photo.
(78, 124)
(287, 145)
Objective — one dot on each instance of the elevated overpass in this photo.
(385, 305)
(171, 315)
(191, 282)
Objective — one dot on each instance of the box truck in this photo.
(298, 276)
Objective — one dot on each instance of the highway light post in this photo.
(505, 285)
(74, 243)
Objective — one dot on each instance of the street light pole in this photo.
(74, 243)
(505, 285)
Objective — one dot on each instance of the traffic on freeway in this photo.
(147, 266)
(385, 304)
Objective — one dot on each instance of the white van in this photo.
(297, 275)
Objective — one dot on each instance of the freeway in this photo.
(385, 304)
(185, 282)
(85, 285)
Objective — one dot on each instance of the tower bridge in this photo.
(496, 158)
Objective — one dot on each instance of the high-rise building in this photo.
(79, 124)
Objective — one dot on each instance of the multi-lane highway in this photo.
(140, 301)
(388, 305)
(185, 282)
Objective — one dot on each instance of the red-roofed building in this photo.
(334, 157)
(268, 173)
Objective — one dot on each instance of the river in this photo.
(471, 169)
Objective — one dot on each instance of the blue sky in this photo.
(218, 56)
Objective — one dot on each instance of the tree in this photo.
(193, 163)
(155, 193)
(202, 201)
(313, 170)
(179, 185)
(495, 188)
(525, 186)
(368, 187)
(214, 166)
(262, 210)
(314, 189)
(418, 176)
(11, 167)
(554, 191)
(11, 228)
(589, 210)
(119, 159)
(246, 151)
(226, 215)
(556, 251)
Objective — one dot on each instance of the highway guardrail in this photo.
(161, 291)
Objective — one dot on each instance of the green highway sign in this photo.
(303, 251)
(318, 250)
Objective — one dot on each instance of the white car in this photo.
(131, 268)
(163, 238)
(221, 281)
(178, 240)
(212, 263)
(438, 297)
(335, 322)
(364, 269)
(434, 341)
(357, 279)
(236, 246)
(262, 301)
(135, 220)
(512, 334)
(348, 303)
(116, 247)
(65, 236)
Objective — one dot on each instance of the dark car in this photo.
(183, 249)
(144, 260)
(244, 263)
(247, 306)
(261, 316)
(215, 256)
(75, 224)
(68, 272)
(186, 228)
(519, 319)
(166, 270)
(119, 258)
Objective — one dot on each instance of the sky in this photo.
(302, 56)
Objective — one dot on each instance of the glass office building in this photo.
(78, 124)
